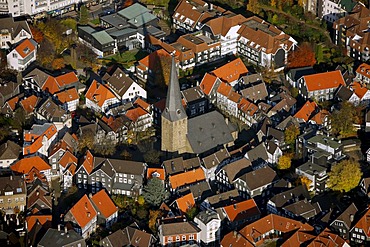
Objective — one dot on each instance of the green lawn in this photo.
(95, 21)
(127, 58)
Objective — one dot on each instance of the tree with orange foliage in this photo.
(303, 56)
(38, 36)
(58, 63)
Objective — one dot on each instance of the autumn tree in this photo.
(126, 155)
(273, 3)
(342, 120)
(141, 200)
(46, 53)
(154, 192)
(153, 216)
(58, 63)
(284, 162)
(304, 181)
(301, 57)
(152, 156)
(253, 6)
(290, 134)
(344, 176)
(86, 140)
(38, 36)
(105, 148)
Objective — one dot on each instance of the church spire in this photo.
(174, 110)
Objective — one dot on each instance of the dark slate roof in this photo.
(285, 198)
(38, 76)
(295, 74)
(224, 199)
(192, 94)
(191, 163)
(118, 238)
(174, 110)
(208, 131)
(199, 190)
(207, 216)
(56, 238)
(257, 154)
(170, 229)
(255, 92)
(237, 168)
(311, 168)
(174, 166)
(344, 93)
(277, 134)
(9, 150)
(14, 26)
(215, 159)
(302, 208)
(287, 122)
(128, 166)
(118, 81)
(346, 216)
(115, 20)
(260, 177)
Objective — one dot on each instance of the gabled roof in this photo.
(29, 103)
(142, 103)
(33, 139)
(231, 71)
(25, 47)
(83, 211)
(364, 69)
(25, 165)
(224, 89)
(364, 223)
(55, 84)
(176, 228)
(185, 203)
(247, 107)
(208, 83)
(67, 95)
(260, 177)
(185, 178)
(136, 113)
(67, 159)
(104, 204)
(359, 90)
(12, 103)
(242, 210)
(99, 93)
(306, 111)
(9, 150)
(328, 239)
(88, 162)
(325, 80)
(44, 220)
(347, 216)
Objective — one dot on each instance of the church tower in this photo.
(174, 118)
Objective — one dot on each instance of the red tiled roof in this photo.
(235, 239)
(34, 174)
(306, 111)
(327, 239)
(184, 178)
(83, 211)
(66, 79)
(320, 117)
(364, 223)
(185, 203)
(25, 165)
(104, 203)
(13, 102)
(36, 140)
(364, 69)
(88, 162)
(242, 210)
(234, 97)
(25, 48)
(208, 83)
(67, 158)
(29, 103)
(67, 95)
(160, 171)
(247, 107)
(99, 93)
(143, 104)
(326, 80)
(359, 90)
(153, 57)
(231, 71)
(224, 89)
(44, 220)
(134, 114)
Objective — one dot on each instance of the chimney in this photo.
(210, 6)
(11, 177)
(58, 227)
(351, 217)
(65, 229)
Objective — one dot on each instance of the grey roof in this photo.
(51, 111)
(257, 154)
(325, 140)
(174, 110)
(104, 165)
(119, 81)
(9, 150)
(344, 93)
(255, 92)
(102, 37)
(251, 79)
(223, 199)
(260, 177)
(216, 158)
(192, 94)
(133, 11)
(118, 238)
(201, 190)
(191, 163)
(128, 166)
(311, 168)
(284, 198)
(87, 29)
(277, 134)
(207, 216)
(115, 20)
(13, 184)
(38, 76)
(158, 33)
(271, 147)
(174, 166)
(14, 26)
(295, 74)
(169, 229)
(345, 217)
(56, 238)
(237, 168)
(290, 120)
(208, 131)
(120, 33)
(302, 208)
(142, 19)
(38, 129)
(7, 88)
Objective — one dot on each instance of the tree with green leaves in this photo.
(83, 15)
(344, 176)
(152, 156)
(154, 192)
